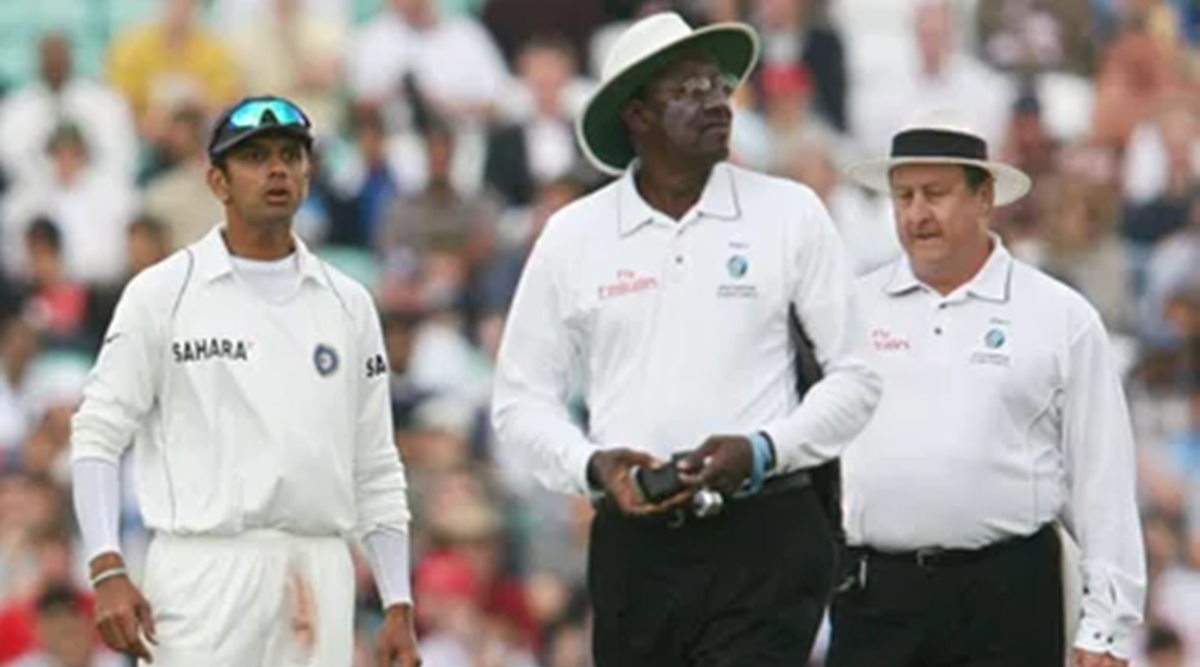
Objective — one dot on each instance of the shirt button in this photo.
(937, 330)
(679, 259)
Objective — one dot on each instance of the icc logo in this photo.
(738, 266)
(994, 338)
(325, 359)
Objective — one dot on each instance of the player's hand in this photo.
(1089, 659)
(722, 463)
(614, 471)
(397, 640)
(123, 615)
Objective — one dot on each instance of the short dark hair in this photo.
(1162, 639)
(43, 230)
(550, 42)
(976, 177)
(59, 597)
(67, 134)
(150, 225)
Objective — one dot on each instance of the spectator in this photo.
(1134, 73)
(365, 175)
(89, 205)
(19, 345)
(451, 231)
(161, 65)
(294, 50)
(945, 77)
(31, 114)
(453, 60)
(57, 304)
(787, 95)
(64, 622)
(1164, 648)
(864, 222)
(1038, 35)
(147, 242)
(792, 39)
(179, 195)
(537, 145)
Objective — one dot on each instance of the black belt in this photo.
(938, 558)
(792, 481)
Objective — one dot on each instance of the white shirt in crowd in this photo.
(673, 331)
(1002, 413)
(29, 116)
(92, 213)
(455, 61)
(248, 413)
(880, 110)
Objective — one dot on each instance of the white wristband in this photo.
(111, 573)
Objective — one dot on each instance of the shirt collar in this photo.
(719, 199)
(990, 283)
(213, 260)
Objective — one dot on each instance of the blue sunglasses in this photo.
(259, 113)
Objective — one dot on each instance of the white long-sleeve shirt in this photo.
(1003, 412)
(247, 414)
(673, 331)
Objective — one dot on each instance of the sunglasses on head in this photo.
(267, 112)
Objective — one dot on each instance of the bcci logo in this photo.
(994, 338)
(325, 359)
(738, 266)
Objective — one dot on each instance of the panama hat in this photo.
(644, 48)
(941, 137)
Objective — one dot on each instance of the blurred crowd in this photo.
(446, 141)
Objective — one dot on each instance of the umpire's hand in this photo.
(122, 614)
(1086, 659)
(722, 464)
(397, 640)
(613, 469)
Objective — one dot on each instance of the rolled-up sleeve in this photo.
(121, 388)
(537, 362)
(1102, 510)
(837, 407)
(380, 484)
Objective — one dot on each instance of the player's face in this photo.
(938, 216)
(264, 180)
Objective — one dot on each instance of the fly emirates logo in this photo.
(628, 282)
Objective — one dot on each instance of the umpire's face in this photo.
(941, 219)
(263, 180)
(682, 115)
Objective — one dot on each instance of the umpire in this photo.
(664, 299)
(1003, 422)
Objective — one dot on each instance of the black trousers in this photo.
(1004, 610)
(746, 588)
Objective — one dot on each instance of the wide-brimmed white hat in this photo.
(941, 137)
(643, 49)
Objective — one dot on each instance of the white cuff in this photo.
(1095, 636)
(387, 551)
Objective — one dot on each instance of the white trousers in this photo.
(261, 599)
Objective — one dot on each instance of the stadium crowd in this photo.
(446, 141)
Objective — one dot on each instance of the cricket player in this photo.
(251, 380)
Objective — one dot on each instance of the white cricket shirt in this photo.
(673, 331)
(248, 414)
(1002, 412)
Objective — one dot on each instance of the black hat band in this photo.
(939, 143)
